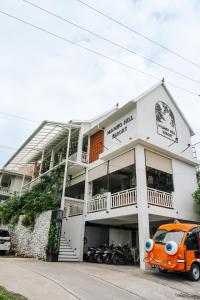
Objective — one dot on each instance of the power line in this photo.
(139, 34)
(96, 52)
(7, 147)
(112, 42)
(18, 117)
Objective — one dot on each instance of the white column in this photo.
(52, 160)
(22, 184)
(80, 145)
(65, 172)
(1, 177)
(143, 215)
(42, 158)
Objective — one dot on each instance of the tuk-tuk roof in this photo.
(178, 226)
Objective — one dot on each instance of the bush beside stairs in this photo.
(66, 252)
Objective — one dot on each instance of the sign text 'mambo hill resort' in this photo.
(120, 127)
(165, 121)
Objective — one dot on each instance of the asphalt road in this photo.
(85, 281)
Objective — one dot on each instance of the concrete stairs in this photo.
(66, 253)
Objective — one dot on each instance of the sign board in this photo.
(165, 121)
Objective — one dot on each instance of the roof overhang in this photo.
(45, 137)
(107, 155)
(112, 118)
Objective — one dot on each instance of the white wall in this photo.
(73, 231)
(120, 236)
(147, 127)
(96, 236)
(124, 129)
(185, 183)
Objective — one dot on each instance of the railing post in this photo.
(108, 202)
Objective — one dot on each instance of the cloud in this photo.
(42, 77)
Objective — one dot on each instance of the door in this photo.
(192, 248)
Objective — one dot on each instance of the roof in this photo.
(112, 118)
(179, 226)
(45, 137)
(125, 108)
(161, 83)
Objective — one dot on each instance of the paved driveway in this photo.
(57, 281)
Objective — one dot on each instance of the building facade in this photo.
(126, 171)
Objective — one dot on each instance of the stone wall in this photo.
(32, 243)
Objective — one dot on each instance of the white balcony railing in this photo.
(124, 198)
(5, 191)
(98, 203)
(73, 207)
(160, 198)
(84, 157)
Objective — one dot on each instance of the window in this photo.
(191, 241)
(159, 180)
(163, 236)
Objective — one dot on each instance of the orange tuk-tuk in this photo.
(175, 247)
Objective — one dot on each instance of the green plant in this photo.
(6, 295)
(43, 196)
(53, 241)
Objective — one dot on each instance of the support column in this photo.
(86, 194)
(143, 215)
(1, 177)
(23, 179)
(52, 159)
(42, 158)
(80, 146)
(65, 172)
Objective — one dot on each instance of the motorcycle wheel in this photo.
(116, 259)
(107, 260)
(99, 259)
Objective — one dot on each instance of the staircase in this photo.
(66, 253)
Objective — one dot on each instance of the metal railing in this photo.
(98, 203)
(124, 198)
(5, 191)
(84, 157)
(160, 198)
(73, 206)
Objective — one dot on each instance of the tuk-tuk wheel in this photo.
(194, 273)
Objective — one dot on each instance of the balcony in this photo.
(73, 207)
(84, 157)
(5, 191)
(160, 198)
(108, 202)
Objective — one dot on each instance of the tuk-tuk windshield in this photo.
(164, 236)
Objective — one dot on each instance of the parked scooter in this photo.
(107, 255)
(91, 254)
(99, 253)
(122, 255)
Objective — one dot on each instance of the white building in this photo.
(11, 184)
(126, 171)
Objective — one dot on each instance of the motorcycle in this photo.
(99, 254)
(91, 254)
(107, 255)
(122, 255)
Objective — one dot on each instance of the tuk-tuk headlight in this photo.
(171, 247)
(149, 245)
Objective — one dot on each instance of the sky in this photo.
(45, 78)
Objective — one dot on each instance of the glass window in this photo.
(4, 233)
(191, 242)
(159, 180)
(163, 236)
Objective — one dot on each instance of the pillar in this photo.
(143, 215)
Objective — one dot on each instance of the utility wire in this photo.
(138, 33)
(112, 42)
(96, 52)
(18, 117)
(7, 147)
